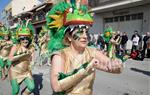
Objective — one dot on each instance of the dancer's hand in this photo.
(115, 66)
(7, 46)
(112, 66)
(90, 68)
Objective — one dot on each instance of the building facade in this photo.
(6, 15)
(21, 6)
(121, 15)
(32, 9)
(16, 7)
(39, 15)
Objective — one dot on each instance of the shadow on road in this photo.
(38, 83)
(141, 71)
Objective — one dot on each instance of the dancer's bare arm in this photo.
(106, 64)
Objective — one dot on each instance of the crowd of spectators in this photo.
(140, 44)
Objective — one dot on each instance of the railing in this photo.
(96, 3)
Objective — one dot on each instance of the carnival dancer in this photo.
(21, 55)
(112, 45)
(112, 40)
(107, 35)
(43, 44)
(5, 45)
(73, 62)
(1, 25)
(1, 33)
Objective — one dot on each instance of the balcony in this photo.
(110, 5)
(96, 3)
(38, 16)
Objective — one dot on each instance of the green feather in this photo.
(56, 35)
(2, 65)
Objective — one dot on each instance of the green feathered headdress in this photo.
(1, 31)
(4, 31)
(25, 28)
(107, 34)
(63, 14)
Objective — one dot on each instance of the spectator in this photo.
(146, 37)
(92, 40)
(136, 33)
(136, 38)
(148, 48)
(118, 39)
(90, 37)
(137, 55)
(100, 42)
(124, 42)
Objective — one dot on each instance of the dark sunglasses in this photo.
(24, 38)
(80, 27)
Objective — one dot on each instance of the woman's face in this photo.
(79, 37)
(6, 37)
(24, 41)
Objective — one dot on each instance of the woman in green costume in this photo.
(73, 62)
(112, 45)
(112, 40)
(5, 45)
(21, 55)
(43, 44)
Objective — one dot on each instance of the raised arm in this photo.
(106, 64)
(17, 57)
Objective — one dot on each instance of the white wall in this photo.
(145, 27)
(98, 24)
(20, 6)
(127, 26)
(146, 20)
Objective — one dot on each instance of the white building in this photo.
(21, 6)
(6, 15)
(123, 15)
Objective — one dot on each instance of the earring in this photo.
(69, 40)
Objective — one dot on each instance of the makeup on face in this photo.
(79, 31)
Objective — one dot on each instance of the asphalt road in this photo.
(134, 80)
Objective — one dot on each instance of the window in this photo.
(108, 20)
(140, 16)
(116, 19)
(121, 18)
(134, 16)
(127, 17)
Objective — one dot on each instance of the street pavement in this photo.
(134, 80)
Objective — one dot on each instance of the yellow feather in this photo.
(54, 16)
(58, 21)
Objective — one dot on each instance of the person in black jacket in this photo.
(148, 46)
(100, 42)
(123, 42)
(119, 37)
(146, 37)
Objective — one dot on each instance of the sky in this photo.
(3, 3)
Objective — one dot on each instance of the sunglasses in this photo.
(24, 38)
(80, 27)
